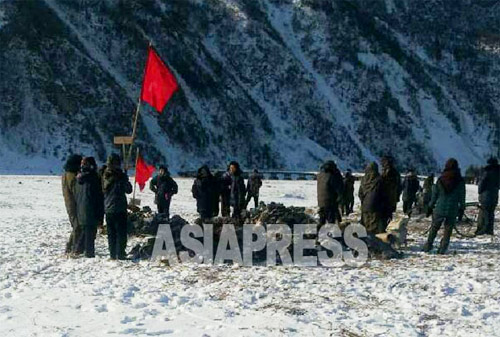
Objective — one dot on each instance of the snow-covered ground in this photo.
(44, 294)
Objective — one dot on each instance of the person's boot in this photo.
(432, 236)
(491, 222)
(445, 241)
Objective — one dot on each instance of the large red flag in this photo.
(159, 83)
(143, 172)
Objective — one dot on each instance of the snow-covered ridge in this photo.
(273, 84)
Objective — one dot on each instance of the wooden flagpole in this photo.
(134, 130)
(136, 117)
(135, 176)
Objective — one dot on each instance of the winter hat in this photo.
(451, 165)
(89, 162)
(113, 159)
(73, 163)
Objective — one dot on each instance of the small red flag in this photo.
(159, 83)
(143, 172)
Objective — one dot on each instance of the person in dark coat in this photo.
(330, 188)
(224, 180)
(447, 203)
(164, 187)
(411, 186)
(90, 206)
(68, 182)
(348, 197)
(204, 190)
(254, 184)
(116, 186)
(391, 186)
(427, 192)
(489, 183)
(370, 195)
(238, 190)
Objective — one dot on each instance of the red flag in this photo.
(159, 83)
(143, 172)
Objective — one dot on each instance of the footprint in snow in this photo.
(127, 319)
(101, 308)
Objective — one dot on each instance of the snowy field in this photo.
(44, 294)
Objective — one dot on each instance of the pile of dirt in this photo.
(275, 213)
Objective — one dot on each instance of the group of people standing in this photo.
(217, 193)
(89, 195)
(380, 193)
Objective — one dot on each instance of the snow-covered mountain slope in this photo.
(271, 83)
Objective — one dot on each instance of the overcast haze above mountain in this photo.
(273, 84)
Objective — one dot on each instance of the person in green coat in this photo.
(447, 203)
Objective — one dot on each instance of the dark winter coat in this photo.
(89, 199)
(448, 195)
(370, 190)
(489, 183)
(348, 188)
(238, 190)
(205, 191)
(330, 186)
(254, 183)
(115, 186)
(164, 188)
(224, 181)
(411, 185)
(391, 185)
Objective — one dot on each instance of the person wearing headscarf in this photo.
(330, 187)
(348, 197)
(371, 196)
(447, 203)
(391, 186)
(68, 182)
(489, 183)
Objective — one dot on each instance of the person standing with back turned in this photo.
(115, 186)
(489, 183)
(447, 203)
(68, 181)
